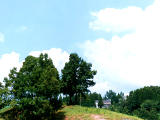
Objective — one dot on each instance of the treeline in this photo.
(33, 92)
(88, 99)
(37, 90)
(143, 102)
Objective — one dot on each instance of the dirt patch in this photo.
(73, 118)
(97, 117)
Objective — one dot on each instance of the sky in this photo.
(119, 37)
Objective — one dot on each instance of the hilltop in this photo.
(86, 113)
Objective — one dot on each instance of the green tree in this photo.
(4, 96)
(113, 96)
(100, 103)
(137, 97)
(77, 76)
(35, 87)
(149, 110)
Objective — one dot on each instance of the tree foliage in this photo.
(144, 102)
(77, 76)
(35, 88)
(115, 98)
(88, 99)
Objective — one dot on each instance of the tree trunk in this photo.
(70, 99)
(76, 99)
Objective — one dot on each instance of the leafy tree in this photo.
(139, 96)
(35, 87)
(112, 95)
(89, 99)
(144, 102)
(4, 96)
(149, 110)
(77, 76)
(100, 103)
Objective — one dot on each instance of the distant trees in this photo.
(77, 76)
(115, 98)
(88, 99)
(143, 102)
(35, 88)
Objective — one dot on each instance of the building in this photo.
(106, 103)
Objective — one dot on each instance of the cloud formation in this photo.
(58, 56)
(10, 60)
(1, 37)
(7, 62)
(132, 60)
(131, 18)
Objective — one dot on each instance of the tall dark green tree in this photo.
(35, 87)
(77, 76)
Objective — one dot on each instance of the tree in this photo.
(89, 100)
(77, 76)
(4, 96)
(138, 96)
(100, 103)
(112, 95)
(35, 87)
(149, 110)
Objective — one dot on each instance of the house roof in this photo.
(107, 101)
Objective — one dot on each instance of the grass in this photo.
(85, 113)
(7, 108)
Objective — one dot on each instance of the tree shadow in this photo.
(60, 115)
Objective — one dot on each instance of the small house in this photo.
(106, 103)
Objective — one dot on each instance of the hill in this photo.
(85, 113)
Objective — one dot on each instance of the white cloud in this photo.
(132, 60)
(22, 28)
(58, 56)
(1, 37)
(7, 62)
(131, 18)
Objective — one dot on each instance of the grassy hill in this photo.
(85, 113)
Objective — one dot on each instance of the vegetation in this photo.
(76, 77)
(35, 92)
(28, 91)
(87, 100)
(115, 98)
(143, 102)
(86, 113)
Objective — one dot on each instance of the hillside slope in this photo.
(85, 113)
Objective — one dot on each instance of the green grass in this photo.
(85, 113)
(5, 109)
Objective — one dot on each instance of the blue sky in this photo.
(52, 23)
(88, 27)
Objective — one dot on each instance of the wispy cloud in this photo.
(22, 28)
(2, 37)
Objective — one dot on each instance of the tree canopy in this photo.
(77, 77)
(35, 88)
